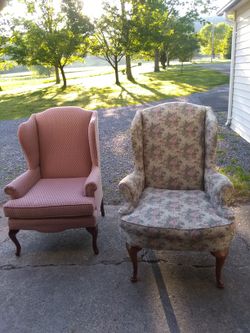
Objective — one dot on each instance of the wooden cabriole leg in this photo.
(94, 232)
(220, 260)
(132, 251)
(102, 209)
(12, 235)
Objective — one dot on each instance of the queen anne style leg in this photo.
(220, 260)
(102, 209)
(94, 232)
(12, 235)
(132, 251)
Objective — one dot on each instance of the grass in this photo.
(240, 179)
(91, 88)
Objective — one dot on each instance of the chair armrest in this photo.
(23, 183)
(131, 188)
(219, 188)
(92, 182)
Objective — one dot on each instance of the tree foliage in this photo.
(216, 39)
(56, 33)
(5, 63)
(153, 19)
(182, 43)
(161, 28)
(52, 37)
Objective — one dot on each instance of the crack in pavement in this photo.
(9, 267)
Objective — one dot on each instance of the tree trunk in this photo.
(163, 58)
(168, 60)
(128, 68)
(64, 77)
(182, 67)
(116, 72)
(57, 75)
(157, 67)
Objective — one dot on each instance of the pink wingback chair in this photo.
(62, 187)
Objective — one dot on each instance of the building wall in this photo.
(241, 86)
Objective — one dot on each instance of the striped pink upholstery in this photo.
(28, 137)
(63, 142)
(52, 224)
(52, 198)
(22, 184)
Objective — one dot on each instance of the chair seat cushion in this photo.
(48, 198)
(177, 220)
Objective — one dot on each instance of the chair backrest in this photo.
(57, 140)
(173, 145)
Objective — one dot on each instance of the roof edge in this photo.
(230, 5)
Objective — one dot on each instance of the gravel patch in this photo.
(115, 146)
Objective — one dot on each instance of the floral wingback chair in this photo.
(175, 200)
(62, 187)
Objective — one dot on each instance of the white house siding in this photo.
(241, 86)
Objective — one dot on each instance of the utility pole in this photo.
(212, 43)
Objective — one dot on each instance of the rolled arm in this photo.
(131, 188)
(220, 190)
(23, 183)
(92, 182)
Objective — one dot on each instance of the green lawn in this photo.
(240, 179)
(94, 88)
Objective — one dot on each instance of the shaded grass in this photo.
(96, 89)
(240, 179)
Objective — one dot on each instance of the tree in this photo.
(5, 63)
(214, 39)
(181, 42)
(61, 34)
(129, 34)
(187, 48)
(152, 19)
(2, 43)
(227, 44)
(108, 39)
(157, 22)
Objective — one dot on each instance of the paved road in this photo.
(221, 67)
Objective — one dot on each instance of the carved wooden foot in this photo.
(132, 251)
(94, 232)
(220, 260)
(102, 209)
(12, 235)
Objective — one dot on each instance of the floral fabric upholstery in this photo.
(173, 146)
(218, 187)
(170, 205)
(177, 220)
(137, 142)
(211, 127)
(132, 186)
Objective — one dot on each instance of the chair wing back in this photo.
(28, 138)
(58, 141)
(211, 128)
(172, 138)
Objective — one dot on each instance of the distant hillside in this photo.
(212, 19)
